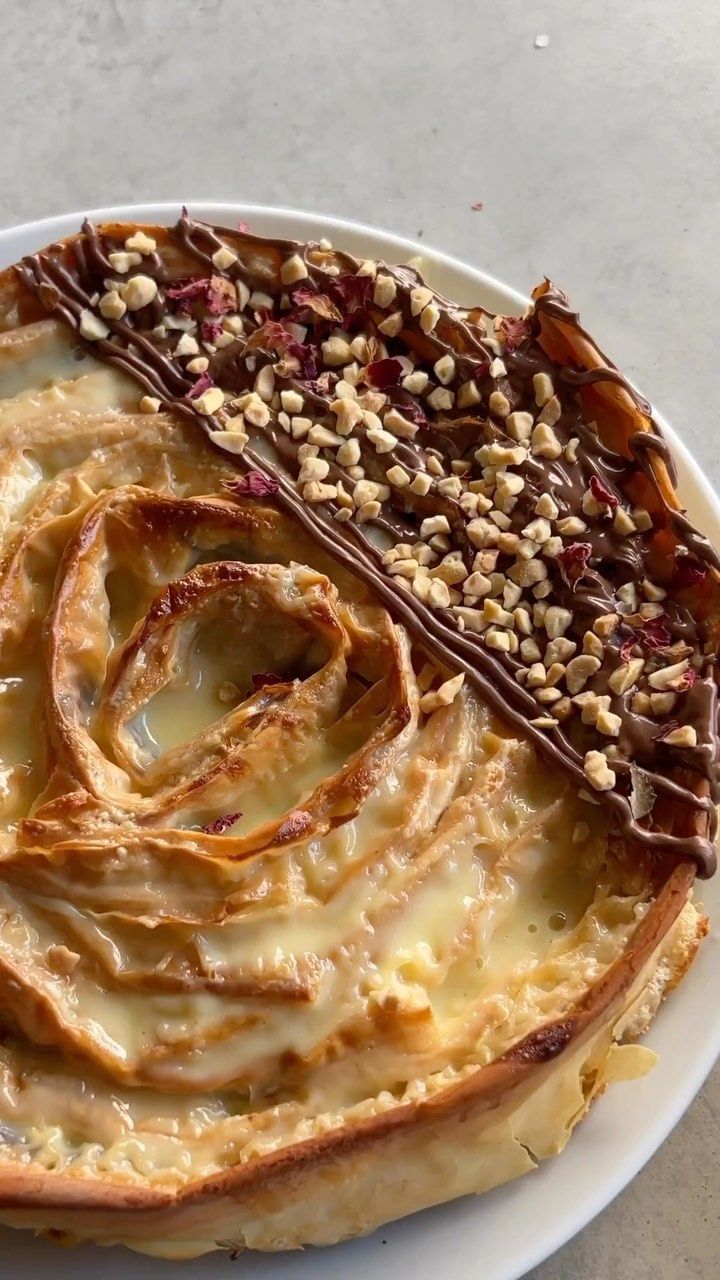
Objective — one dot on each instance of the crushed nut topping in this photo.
(465, 461)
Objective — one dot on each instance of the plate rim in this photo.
(44, 230)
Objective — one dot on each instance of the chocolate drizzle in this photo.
(67, 279)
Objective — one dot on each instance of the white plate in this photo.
(508, 1231)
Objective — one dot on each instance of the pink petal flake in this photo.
(655, 633)
(221, 824)
(602, 494)
(304, 299)
(221, 296)
(190, 291)
(573, 562)
(243, 227)
(210, 330)
(687, 680)
(626, 649)
(200, 385)
(383, 374)
(254, 484)
(477, 207)
(515, 331)
(352, 293)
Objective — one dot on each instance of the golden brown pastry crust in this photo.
(467, 1136)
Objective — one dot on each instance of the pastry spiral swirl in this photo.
(258, 908)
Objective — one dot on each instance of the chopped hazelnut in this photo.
(544, 441)
(419, 299)
(392, 324)
(441, 398)
(438, 595)
(91, 326)
(442, 697)
(122, 262)
(623, 523)
(580, 670)
(551, 413)
(661, 704)
(468, 394)
(557, 621)
(112, 307)
(421, 484)
(225, 257)
(546, 506)
(598, 772)
(626, 675)
(138, 291)
(210, 401)
(397, 476)
(292, 401)
(519, 426)
(384, 291)
(499, 640)
(429, 317)
(606, 624)
(684, 736)
(570, 526)
(499, 404)
(149, 404)
(336, 351)
(543, 387)
(434, 524)
(198, 365)
(368, 511)
(664, 678)
(444, 369)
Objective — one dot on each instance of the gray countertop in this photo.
(596, 160)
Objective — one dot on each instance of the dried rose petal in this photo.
(221, 824)
(254, 484)
(263, 678)
(200, 385)
(352, 292)
(190, 291)
(481, 370)
(477, 207)
(221, 296)
(383, 374)
(655, 633)
(210, 330)
(305, 355)
(601, 493)
(243, 227)
(688, 572)
(687, 680)
(573, 562)
(304, 299)
(626, 648)
(271, 335)
(514, 330)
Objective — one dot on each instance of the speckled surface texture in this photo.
(596, 159)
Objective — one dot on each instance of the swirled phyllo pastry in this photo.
(358, 741)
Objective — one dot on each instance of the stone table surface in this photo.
(596, 160)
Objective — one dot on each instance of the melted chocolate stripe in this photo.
(62, 291)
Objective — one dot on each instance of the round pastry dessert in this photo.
(358, 739)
